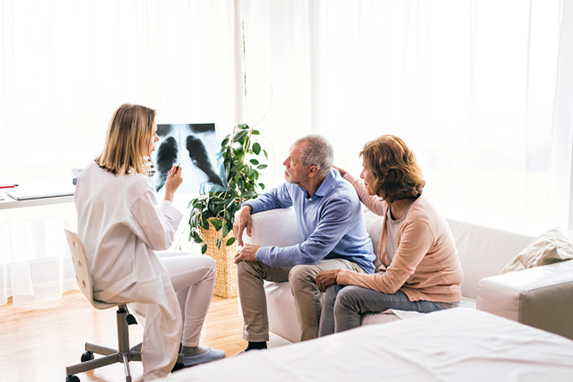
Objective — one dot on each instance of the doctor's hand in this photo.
(242, 221)
(247, 253)
(325, 279)
(174, 180)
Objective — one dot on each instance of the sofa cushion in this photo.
(374, 228)
(484, 251)
(277, 228)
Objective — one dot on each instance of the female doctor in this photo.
(124, 228)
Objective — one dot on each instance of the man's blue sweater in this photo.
(330, 222)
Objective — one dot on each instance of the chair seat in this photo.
(123, 354)
(102, 304)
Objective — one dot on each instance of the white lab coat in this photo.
(122, 225)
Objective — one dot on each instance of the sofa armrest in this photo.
(274, 228)
(540, 297)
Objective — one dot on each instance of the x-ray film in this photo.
(196, 149)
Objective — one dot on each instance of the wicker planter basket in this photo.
(226, 282)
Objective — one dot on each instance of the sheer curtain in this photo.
(472, 86)
(278, 49)
(66, 66)
(469, 85)
(481, 90)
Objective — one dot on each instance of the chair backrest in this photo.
(82, 269)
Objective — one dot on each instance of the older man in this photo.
(333, 231)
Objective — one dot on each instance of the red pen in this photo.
(8, 185)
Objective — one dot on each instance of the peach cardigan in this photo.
(426, 264)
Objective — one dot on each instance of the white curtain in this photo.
(481, 90)
(278, 48)
(66, 66)
(469, 85)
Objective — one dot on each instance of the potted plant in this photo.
(213, 213)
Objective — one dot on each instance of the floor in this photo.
(40, 339)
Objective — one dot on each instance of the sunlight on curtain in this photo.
(469, 85)
(277, 54)
(66, 66)
(561, 157)
(481, 90)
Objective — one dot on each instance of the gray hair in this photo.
(317, 152)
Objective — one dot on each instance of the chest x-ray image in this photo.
(196, 149)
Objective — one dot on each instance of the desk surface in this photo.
(40, 193)
(8, 202)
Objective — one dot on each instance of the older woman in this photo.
(420, 268)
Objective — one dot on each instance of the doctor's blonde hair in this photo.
(128, 140)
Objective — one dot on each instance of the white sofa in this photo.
(541, 297)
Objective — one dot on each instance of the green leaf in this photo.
(256, 148)
(218, 242)
(249, 195)
(262, 166)
(261, 185)
(225, 230)
(266, 155)
(205, 225)
(255, 132)
(231, 203)
(239, 151)
(241, 136)
(217, 223)
(195, 236)
(230, 241)
(254, 161)
(204, 248)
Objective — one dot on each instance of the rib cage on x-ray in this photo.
(196, 148)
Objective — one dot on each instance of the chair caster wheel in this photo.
(72, 378)
(87, 356)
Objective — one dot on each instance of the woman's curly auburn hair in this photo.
(394, 168)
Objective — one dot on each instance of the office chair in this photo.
(124, 354)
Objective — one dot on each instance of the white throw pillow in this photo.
(548, 248)
(374, 228)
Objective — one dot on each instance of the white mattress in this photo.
(451, 345)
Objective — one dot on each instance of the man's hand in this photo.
(325, 279)
(247, 253)
(242, 221)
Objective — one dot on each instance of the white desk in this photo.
(63, 187)
(8, 202)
